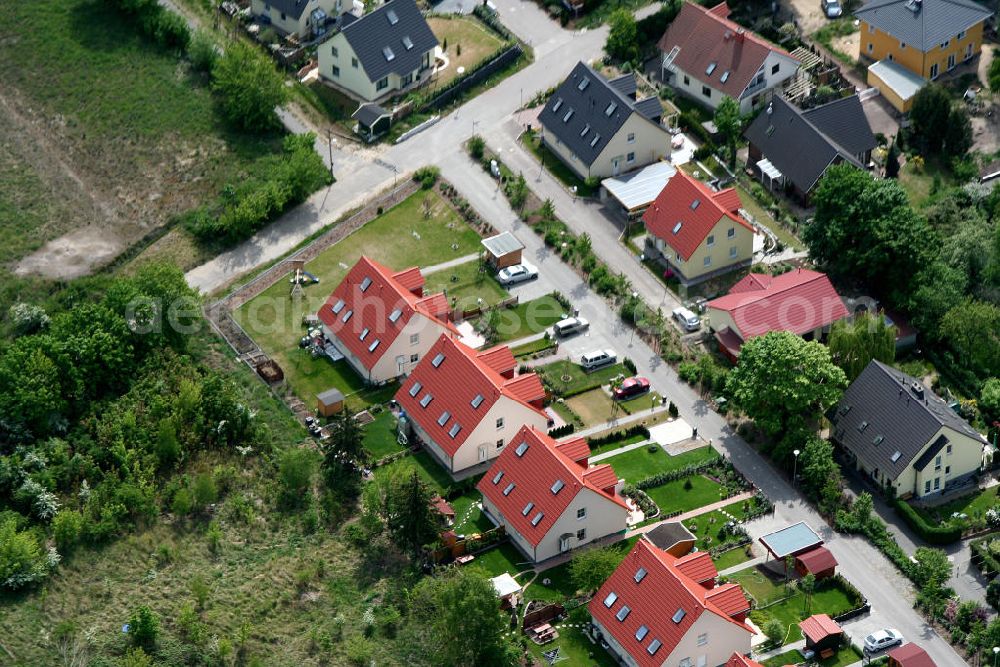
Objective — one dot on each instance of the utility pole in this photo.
(329, 146)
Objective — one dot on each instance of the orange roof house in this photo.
(549, 498)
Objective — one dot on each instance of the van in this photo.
(570, 326)
(593, 360)
(688, 320)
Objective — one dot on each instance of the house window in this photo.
(871, 47)
(687, 80)
(706, 91)
(951, 61)
(581, 513)
(630, 158)
(871, 29)
(413, 358)
(961, 35)
(968, 52)
(354, 63)
(581, 535)
(902, 46)
(776, 68)
(891, 59)
(382, 83)
(406, 80)
(945, 43)
(948, 450)
(731, 233)
(336, 71)
(927, 487)
(947, 470)
(934, 71)
(703, 639)
(283, 16)
(708, 261)
(732, 252)
(500, 443)
(500, 422)
(334, 52)
(937, 463)
(631, 137)
(414, 339)
(937, 483)
(710, 241)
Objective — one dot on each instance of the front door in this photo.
(564, 544)
(615, 166)
(482, 453)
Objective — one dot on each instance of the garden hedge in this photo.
(945, 534)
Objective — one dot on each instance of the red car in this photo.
(631, 387)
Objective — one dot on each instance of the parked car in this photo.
(882, 639)
(688, 320)
(630, 387)
(831, 8)
(517, 273)
(597, 359)
(570, 326)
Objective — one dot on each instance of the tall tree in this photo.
(590, 568)
(820, 474)
(989, 400)
(455, 621)
(623, 42)
(784, 383)
(729, 124)
(929, 118)
(415, 520)
(249, 86)
(957, 132)
(972, 330)
(854, 344)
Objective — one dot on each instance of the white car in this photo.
(518, 273)
(882, 639)
(688, 320)
(832, 8)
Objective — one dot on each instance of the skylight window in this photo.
(610, 600)
(366, 283)
(654, 646)
(640, 574)
(862, 426)
(557, 486)
(641, 633)
(347, 315)
(510, 487)
(586, 129)
(677, 227)
(679, 615)
(455, 428)
(521, 449)
(895, 457)
(426, 400)
(569, 114)
(593, 142)
(535, 520)
(583, 84)
(395, 315)
(557, 105)
(393, 18)
(845, 409)
(375, 343)
(711, 68)
(443, 419)
(407, 42)
(527, 509)
(415, 389)
(613, 107)
(337, 307)
(879, 439)
(438, 358)
(387, 52)
(695, 204)
(497, 477)
(477, 401)
(623, 613)
(364, 333)
(724, 77)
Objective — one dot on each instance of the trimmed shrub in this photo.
(944, 534)
(560, 431)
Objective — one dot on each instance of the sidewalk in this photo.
(458, 261)
(622, 450)
(753, 562)
(705, 509)
(621, 422)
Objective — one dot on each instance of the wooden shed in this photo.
(503, 250)
(329, 402)
(817, 561)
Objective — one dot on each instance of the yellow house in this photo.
(927, 37)
(698, 233)
(901, 435)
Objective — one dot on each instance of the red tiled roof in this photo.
(527, 388)
(601, 476)
(453, 386)
(372, 309)
(739, 660)
(798, 301)
(673, 206)
(534, 473)
(698, 567)
(707, 36)
(663, 594)
(818, 627)
(442, 506)
(817, 560)
(911, 655)
(729, 199)
(500, 359)
(730, 598)
(576, 449)
(729, 340)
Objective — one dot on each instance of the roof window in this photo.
(556, 106)
(387, 52)
(521, 449)
(583, 84)
(879, 439)
(593, 142)
(393, 18)
(371, 348)
(640, 574)
(394, 315)
(510, 487)
(477, 401)
(366, 283)
(895, 457)
(407, 42)
(862, 426)
(724, 77)
(610, 600)
(569, 114)
(695, 204)
(654, 646)
(711, 68)
(585, 130)
(527, 509)
(426, 400)
(557, 486)
(415, 389)
(455, 428)
(613, 107)
(641, 633)
(337, 307)
(364, 333)
(497, 477)
(438, 358)
(443, 419)
(678, 615)
(535, 520)
(347, 315)
(623, 613)
(677, 227)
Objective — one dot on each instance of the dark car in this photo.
(631, 387)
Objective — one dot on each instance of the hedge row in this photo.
(982, 557)
(637, 429)
(560, 431)
(672, 475)
(932, 534)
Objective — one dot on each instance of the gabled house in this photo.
(926, 37)
(548, 498)
(698, 233)
(801, 301)
(794, 148)
(466, 405)
(382, 323)
(707, 57)
(383, 53)
(901, 434)
(598, 128)
(657, 609)
(304, 18)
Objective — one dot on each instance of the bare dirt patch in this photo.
(807, 14)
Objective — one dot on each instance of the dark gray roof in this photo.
(584, 116)
(292, 8)
(625, 84)
(392, 26)
(668, 534)
(923, 24)
(794, 144)
(844, 122)
(650, 108)
(368, 114)
(886, 411)
(330, 396)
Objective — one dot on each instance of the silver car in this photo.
(882, 639)
(832, 8)
(518, 273)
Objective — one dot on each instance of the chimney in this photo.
(918, 390)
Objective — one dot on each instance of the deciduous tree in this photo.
(249, 87)
(729, 124)
(590, 568)
(854, 344)
(972, 330)
(622, 43)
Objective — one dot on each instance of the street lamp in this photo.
(996, 652)
(635, 325)
(795, 466)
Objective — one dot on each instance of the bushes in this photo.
(477, 146)
(165, 28)
(561, 431)
(202, 52)
(249, 87)
(427, 176)
(22, 560)
(932, 534)
(623, 434)
(672, 475)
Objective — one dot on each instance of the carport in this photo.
(791, 541)
(635, 191)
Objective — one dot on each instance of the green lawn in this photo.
(567, 377)
(558, 589)
(646, 401)
(529, 317)
(380, 436)
(673, 497)
(465, 284)
(429, 470)
(974, 505)
(308, 376)
(274, 319)
(531, 348)
(505, 558)
(731, 558)
(640, 463)
(617, 444)
(593, 407)
(468, 517)
(557, 167)
(919, 183)
(467, 41)
(845, 655)
(573, 645)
